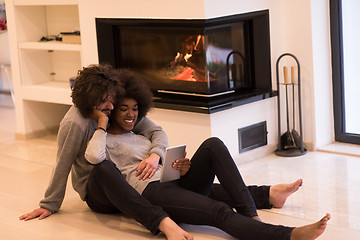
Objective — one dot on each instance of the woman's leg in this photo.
(108, 192)
(265, 197)
(213, 158)
(260, 194)
(185, 206)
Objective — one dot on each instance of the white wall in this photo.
(323, 98)
(306, 34)
(4, 48)
(297, 26)
(300, 27)
(183, 127)
(225, 125)
(90, 9)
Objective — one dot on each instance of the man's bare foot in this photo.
(173, 231)
(312, 231)
(257, 218)
(280, 192)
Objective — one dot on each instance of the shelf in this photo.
(41, 83)
(51, 45)
(52, 92)
(44, 2)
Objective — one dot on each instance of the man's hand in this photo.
(97, 114)
(101, 118)
(148, 167)
(183, 165)
(39, 212)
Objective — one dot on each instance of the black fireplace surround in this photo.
(199, 65)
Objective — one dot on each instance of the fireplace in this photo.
(198, 64)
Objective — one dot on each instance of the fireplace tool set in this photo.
(291, 142)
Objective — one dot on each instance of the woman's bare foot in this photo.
(312, 231)
(173, 231)
(280, 192)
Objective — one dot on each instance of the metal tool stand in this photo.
(291, 142)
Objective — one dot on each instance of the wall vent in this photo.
(252, 136)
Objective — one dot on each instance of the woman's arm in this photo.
(95, 152)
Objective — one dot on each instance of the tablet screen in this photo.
(171, 154)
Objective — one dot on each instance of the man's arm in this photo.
(159, 143)
(70, 138)
(68, 148)
(155, 133)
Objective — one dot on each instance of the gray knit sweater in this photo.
(74, 134)
(126, 151)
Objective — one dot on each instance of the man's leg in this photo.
(108, 192)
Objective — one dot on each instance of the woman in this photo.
(186, 200)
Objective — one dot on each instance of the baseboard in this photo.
(37, 134)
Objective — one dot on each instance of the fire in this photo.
(178, 55)
(184, 68)
(199, 37)
(187, 56)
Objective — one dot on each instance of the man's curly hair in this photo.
(136, 88)
(93, 85)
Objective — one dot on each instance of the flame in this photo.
(190, 47)
(177, 56)
(187, 56)
(199, 37)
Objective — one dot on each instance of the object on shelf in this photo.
(3, 25)
(291, 142)
(48, 38)
(71, 37)
(72, 81)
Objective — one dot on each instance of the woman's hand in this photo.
(183, 165)
(148, 167)
(39, 212)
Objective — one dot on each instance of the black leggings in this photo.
(187, 200)
(108, 192)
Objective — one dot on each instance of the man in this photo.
(102, 187)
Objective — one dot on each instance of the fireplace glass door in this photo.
(193, 60)
(196, 57)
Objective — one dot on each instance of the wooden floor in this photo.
(331, 184)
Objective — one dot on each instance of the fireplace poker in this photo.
(286, 138)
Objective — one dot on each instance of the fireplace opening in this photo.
(203, 63)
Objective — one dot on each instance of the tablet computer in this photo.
(171, 154)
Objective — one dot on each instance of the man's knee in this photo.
(222, 212)
(104, 166)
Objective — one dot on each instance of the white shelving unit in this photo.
(41, 70)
